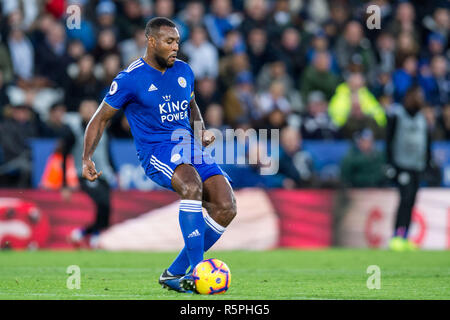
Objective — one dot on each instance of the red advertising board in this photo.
(282, 218)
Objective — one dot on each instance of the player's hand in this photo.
(207, 138)
(89, 171)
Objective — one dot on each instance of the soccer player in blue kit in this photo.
(156, 93)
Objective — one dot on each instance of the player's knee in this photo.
(191, 190)
(228, 209)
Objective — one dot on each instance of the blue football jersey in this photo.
(154, 103)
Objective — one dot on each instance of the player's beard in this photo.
(163, 63)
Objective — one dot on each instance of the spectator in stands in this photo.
(206, 93)
(110, 69)
(255, 15)
(51, 56)
(4, 99)
(214, 117)
(106, 44)
(295, 163)
(443, 123)
(75, 50)
(280, 18)
(436, 85)
(352, 47)
(192, 15)
(291, 51)
(339, 16)
(6, 67)
(28, 14)
(42, 27)
(84, 83)
(405, 46)
(363, 165)
(316, 123)
(353, 108)
(134, 48)
(16, 131)
(404, 77)
(239, 102)
(106, 16)
(404, 21)
(439, 22)
(21, 52)
(233, 59)
(166, 8)
(258, 49)
(202, 55)
(274, 99)
(320, 43)
(318, 77)
(130, 19)
(220, 21)
(275, 71)
(383, 87)
(385, 52)
(55, 127)
(430, 114)
(435, 47)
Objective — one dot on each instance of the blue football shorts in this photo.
(160, 162)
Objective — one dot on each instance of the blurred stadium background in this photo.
(264, 64)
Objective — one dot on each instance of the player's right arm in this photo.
(92, 136)
(120, 93)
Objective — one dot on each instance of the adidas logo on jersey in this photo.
(194, 233)
(152, 88)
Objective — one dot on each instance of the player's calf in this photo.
(222, 211)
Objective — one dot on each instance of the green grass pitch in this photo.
(277, 274)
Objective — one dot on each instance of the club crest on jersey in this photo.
(182, 82)
(113, 88)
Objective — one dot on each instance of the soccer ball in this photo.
(211, 276)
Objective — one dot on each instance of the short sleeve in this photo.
(120, 92)
(191, 80)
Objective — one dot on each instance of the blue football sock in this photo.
(213, 231)
(193, 228)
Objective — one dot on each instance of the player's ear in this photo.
(152, 41)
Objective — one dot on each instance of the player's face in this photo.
(167, 46)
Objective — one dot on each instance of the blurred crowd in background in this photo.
(310, 68)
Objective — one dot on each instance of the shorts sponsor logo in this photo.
(175, 157)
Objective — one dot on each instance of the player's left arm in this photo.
(198, 125)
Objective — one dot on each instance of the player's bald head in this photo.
(154, 25)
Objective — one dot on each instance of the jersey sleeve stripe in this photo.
(135, 67)
(134, 63)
